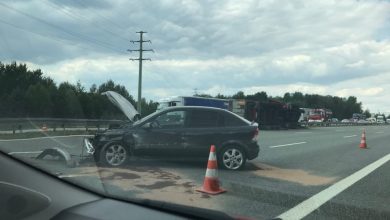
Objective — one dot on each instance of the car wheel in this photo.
(114, 155)
(232, 157)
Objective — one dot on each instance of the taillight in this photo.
(256, 135)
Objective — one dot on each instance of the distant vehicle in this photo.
(345, 121)
(244, 108)
(304, 117)
(371, 120)
(193, 101)
(186, 131)
(380, 119)
(320, 115)
(274, 114)
(334, 120)
(357, 116)
(362, 121)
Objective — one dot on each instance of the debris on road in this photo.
(56, 153)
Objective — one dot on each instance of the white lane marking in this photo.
(48, 137)
(349, 136)
(309, 205)
(303, 132)
(25, 152)
(71, 175)
(283, 145)
(379, 132)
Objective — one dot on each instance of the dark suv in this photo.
(180, 131)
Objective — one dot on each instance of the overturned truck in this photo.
(271, 114)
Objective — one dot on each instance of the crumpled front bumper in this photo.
(88, 146)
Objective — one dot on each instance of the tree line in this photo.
(28, 93)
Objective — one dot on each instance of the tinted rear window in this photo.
(202, 118)
(232, 120)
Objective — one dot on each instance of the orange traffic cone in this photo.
(363, 143)
(211, 182)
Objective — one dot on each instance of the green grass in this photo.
(43, 134)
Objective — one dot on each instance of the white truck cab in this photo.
(380, 119)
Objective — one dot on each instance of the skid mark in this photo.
(292, 175)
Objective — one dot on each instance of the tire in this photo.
(114, 154)
(232, 157)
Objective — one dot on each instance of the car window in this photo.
(202, 118)
(172, 119)
(230, 120)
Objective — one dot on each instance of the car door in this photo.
(201, 131)
(161, 136)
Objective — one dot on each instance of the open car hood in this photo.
(123, 104)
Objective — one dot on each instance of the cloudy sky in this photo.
(327, 47)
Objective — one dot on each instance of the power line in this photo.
(81, 18)
(74, 34)
(101, 16)
(140, 59)
(6, 45)
(60, 40)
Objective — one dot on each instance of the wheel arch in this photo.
(234, 142)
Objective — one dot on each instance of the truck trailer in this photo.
(193, 101)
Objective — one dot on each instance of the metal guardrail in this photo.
(340, 124)
(20, 125)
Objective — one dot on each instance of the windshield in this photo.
(162, 106)
(261, 109)
(142, 120)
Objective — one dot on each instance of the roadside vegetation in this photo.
(29, 93)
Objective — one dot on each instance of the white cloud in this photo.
(326, 47)
(365, 92)
(357, 64)
(292, 62)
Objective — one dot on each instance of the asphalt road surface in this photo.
(315, 173)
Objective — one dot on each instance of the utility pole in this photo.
(140, 59)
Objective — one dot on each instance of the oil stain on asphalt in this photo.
(292, 175)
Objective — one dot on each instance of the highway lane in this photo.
(366, 199)
(324, 147)
(292, 173)
(293, 166)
